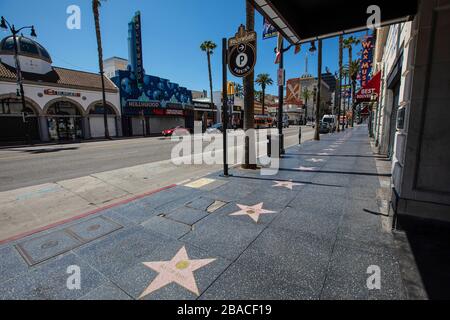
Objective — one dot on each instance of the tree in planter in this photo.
(263, 80)
(209, 47)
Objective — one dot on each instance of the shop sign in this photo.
(174, 105)
(237, 108)
(142, 104)
(51, 92)
(366, 60)
(138, 42)
(171, 112)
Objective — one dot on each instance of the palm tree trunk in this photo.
(319, 85)
(249, 95)
(350, 59)
(341, 40)
(263, 97)
(208, 54)
(95, 5)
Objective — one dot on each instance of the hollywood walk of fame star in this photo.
(252, 211)
(315, 160)
(287, 184)
(306, 168)
(179, 270)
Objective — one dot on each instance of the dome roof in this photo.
(26, 47)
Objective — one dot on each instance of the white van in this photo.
(331, 120)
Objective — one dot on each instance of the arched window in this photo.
(98, 109)
(64, 108)
(13, 106)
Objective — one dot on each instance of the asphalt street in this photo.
(29, 166)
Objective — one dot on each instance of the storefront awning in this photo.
(301, 21)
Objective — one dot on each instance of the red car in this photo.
(179, 131)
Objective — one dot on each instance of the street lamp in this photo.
(4, 24)
(281, 94)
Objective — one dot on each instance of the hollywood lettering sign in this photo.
(366, 60)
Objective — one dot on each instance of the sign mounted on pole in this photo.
(242, 52)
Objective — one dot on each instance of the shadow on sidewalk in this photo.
(340, 172)
(336, 155)
(430, 246)
(295, 181)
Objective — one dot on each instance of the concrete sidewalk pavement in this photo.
(313, 231)
(24, 210)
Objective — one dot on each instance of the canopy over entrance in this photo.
(305, 20)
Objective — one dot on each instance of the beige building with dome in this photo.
(61, 104)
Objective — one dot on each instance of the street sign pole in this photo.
(281, 101)
(225, 105)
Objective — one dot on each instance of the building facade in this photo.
(60, 104)
(410, 116)
(114, 64)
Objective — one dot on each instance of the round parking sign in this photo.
(242, 59)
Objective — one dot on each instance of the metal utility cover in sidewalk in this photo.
(42, 248)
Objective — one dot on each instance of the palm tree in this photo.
(249, 96)
(208, 47)
(353, 70)
(306, 95)
(95, 6)
(264, 80)
(348, 44)
(344, 111)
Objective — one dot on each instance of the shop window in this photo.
(14, 107)
(98, 109)
(44, 52)
(28, 46)
(8, 44)
(63, 108)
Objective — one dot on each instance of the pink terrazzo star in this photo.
(252, 211)
(179, 270)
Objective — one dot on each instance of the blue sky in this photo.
(172, 32)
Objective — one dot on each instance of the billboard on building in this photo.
(269, 30)
(293, 92)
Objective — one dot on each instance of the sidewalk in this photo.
(310, 232)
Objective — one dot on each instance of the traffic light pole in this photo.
(224, 106)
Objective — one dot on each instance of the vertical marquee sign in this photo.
(138, 43)
(366, 59)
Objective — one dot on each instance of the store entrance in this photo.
(17, 124)
(64, 121)
(65, 128)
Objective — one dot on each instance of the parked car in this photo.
(324, 127)
(215, 129)
(178, 131)
(331, 120)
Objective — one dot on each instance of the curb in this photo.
(78, 217)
